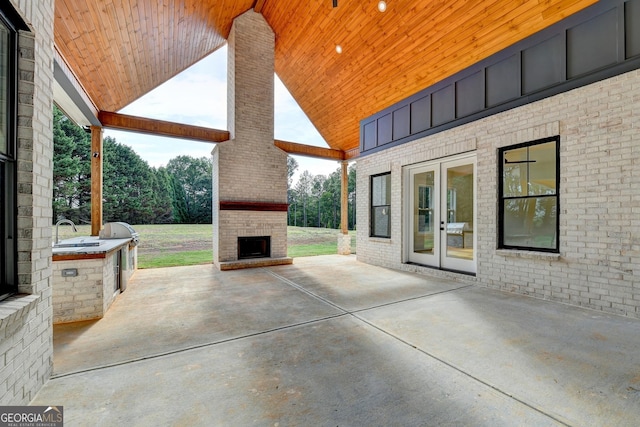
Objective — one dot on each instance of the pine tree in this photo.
(303, 193)
(67, 166)
(193, 188)
(128, 192)
(162, 192)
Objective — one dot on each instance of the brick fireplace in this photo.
(249, 172)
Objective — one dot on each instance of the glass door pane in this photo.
(458, 213)
(423, 202)
(3, 227)
(4, 87)
(423, 230)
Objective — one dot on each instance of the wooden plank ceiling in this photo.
(121, 49)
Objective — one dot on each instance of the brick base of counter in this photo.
(89, 294)
(86, 296)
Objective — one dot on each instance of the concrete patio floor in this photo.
(329, 341)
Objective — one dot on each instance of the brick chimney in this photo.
(249, 172)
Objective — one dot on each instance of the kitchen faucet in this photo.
(67, 221)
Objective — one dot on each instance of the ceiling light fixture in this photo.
(338, 48)
(382, 5)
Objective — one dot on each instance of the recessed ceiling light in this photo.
(382, 5)
(338, 48)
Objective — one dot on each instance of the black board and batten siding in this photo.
(599, 42)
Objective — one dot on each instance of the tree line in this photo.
(133, 191)
(179, 193)
(314, 200)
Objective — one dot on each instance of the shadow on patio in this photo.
(331, 341)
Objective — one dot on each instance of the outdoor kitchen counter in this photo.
(84, 247)
(88, 275)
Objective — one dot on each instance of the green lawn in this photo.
(174, 259)
(170, 245)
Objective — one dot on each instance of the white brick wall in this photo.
(599, 261)
(26, 340)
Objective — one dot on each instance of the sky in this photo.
(198, 96)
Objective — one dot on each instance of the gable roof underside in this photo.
(120, 50)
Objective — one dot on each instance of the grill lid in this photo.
(458, 227)
(119, 230)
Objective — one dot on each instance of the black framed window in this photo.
(8, 248)
(381, 205)
(528, 195)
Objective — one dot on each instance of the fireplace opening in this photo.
(254, 247)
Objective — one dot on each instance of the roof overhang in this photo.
(70, 96)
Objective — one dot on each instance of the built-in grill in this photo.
(459, 235)
(119, 230)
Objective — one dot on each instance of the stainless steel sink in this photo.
(77, 243)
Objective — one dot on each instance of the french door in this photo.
(441, 214)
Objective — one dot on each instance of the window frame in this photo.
(372, 230)
(8, 198)
(502, 198)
